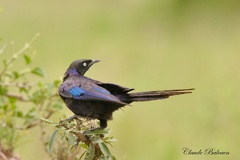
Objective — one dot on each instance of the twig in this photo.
(19, 85)
(36, 122)
(15, 55)
(17, 96)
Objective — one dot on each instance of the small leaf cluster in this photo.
(85, 140)
(21, 99)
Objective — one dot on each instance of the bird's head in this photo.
(81, 65)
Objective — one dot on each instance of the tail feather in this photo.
(154, 95)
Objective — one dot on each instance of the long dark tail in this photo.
(154, 95)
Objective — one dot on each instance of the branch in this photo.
(15, 55)
(17, 96)
(19, 85)
(36, 122)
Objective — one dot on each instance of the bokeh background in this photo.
(147, 45)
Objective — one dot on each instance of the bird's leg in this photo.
(103, 123)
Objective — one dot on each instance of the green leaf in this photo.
(46, 120)
(71, 138)
(23, 90)
(83, 145)
(3, 90)
(90, 152)
(16, 74)
(97, 139)
(96, 131)
(52, 140)
(27, 59)
(19, 114)
(56, 83)
(38, 71)
(105, 150)
(110, 139)
(12, 100)
(5, 107)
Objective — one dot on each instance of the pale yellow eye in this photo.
(84, 64)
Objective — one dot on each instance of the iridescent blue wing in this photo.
(87, 91)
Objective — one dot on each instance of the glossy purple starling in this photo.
(86, 97)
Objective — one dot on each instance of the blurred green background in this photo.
(147, 45)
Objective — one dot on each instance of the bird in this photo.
(90, 98)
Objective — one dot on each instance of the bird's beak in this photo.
(94, 61)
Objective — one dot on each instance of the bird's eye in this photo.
(84, 64)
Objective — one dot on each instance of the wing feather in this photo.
(87, 92)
